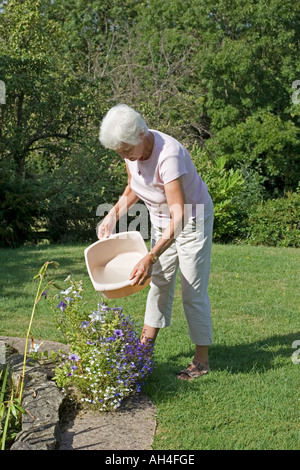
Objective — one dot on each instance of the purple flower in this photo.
(104, 307)
(118, 333)
(84, 324)
(74, 357)
(62, 305)
(74, 367)
(44, 294)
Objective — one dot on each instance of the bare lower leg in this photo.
(199, 366)
(149, 333)
(201, 354)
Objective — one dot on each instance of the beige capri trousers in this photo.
(190, 252)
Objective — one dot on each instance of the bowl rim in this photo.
(117, 285)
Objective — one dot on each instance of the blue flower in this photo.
(62, 305)
(104, 307)
(118, 333)
(74, 357)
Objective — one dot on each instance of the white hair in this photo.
(122, 125)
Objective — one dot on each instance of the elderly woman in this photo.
(161, 173)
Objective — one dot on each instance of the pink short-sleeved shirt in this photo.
(168, 161)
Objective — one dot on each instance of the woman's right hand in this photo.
(106, 227)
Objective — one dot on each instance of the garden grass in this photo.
(250, 400)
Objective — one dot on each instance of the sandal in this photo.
(196, 372)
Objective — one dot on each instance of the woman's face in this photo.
(131, 152)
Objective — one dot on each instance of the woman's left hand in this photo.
(142, 271)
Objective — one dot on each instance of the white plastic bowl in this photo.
(110, 261)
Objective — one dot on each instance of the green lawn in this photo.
(250, 400)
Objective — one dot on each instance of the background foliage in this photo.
(217, 75)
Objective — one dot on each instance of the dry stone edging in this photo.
(42, 428)
(42, 401)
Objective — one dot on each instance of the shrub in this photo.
(223, 185)
(275, 222)
(74, 190)
(107, 361)
(19, 208)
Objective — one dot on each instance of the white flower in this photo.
(68, 278)
(34, 347)
(77, 295)
(67, 291)
(96, 316)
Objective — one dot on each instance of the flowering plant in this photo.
(107, 361)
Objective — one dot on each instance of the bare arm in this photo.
(127, 200)
(176, 201)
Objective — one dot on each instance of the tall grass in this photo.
(250, 400)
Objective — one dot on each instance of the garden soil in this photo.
(131, 427)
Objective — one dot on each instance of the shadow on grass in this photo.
(259, 356)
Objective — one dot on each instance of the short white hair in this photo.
(122, 125)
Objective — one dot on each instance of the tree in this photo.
(44, 103)
(215, 73)
(248, 64)
(48, 110)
